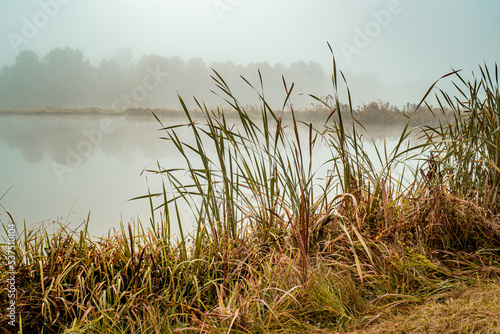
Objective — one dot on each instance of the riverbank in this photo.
(371, 114)
(275, 249)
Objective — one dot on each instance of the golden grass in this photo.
(471, 308)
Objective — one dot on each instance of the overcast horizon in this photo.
(389, 50)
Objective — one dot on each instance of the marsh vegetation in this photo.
(278, 248)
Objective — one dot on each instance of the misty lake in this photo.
(60, 168)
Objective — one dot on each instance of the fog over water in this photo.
(58, 54)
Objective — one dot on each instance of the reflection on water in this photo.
(61, 167)
(55, 137)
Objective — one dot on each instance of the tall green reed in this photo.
(246, 173)
(466, 146)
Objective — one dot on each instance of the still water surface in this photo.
(60, 168)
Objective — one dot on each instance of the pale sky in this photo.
(390, 50)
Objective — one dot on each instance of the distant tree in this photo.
(65, 77)
(316, 77)
(197, 78)
(298, 70)
(225, 68)
(152, 77)
(125, 59)
(273, 85)
(264, 67)
(196, 64)
(110, 81)
(24, 79)
(277, 89)
(6, 100)
(176, 68)
(69, 76)
(108, 71)
(309, 76)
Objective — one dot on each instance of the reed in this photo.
(462, 174)
(467, 145)
(278, 246)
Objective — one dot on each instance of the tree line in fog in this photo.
(65, 78)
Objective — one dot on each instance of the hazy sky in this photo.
(390, 49)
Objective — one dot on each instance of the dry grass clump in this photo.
(276, 248)
(467, 309)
